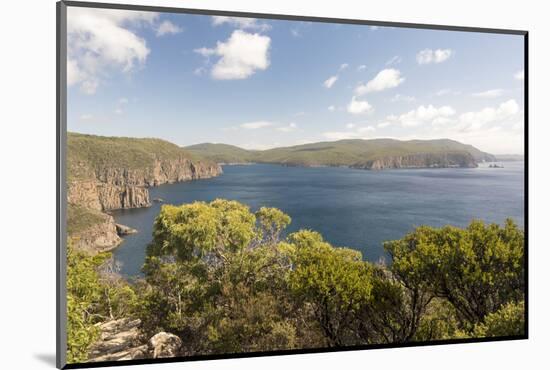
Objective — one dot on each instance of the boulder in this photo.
(165, 345)
(124, 230)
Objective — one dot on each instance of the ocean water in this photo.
(353, 208)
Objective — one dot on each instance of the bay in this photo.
(354, 208)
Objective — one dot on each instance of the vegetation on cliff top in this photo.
(226, 280)
(338, 153)
(86, 153)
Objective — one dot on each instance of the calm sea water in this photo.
(353, 208)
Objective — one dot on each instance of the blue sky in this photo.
(266, 83)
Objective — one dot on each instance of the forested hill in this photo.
(367, 154)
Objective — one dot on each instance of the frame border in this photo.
(61, 207)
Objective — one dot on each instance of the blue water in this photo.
(353, 208)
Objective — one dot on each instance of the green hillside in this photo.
(88, 152)
(223, 153)
(338, 153)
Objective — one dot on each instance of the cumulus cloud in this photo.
(100, 41)
(240, 56)
(329, 82)
(167, 28)
(359, 106)
(422, 114)
(520, 75)
(383, 124)
(472, 121)
(385, 79)
(362, 67)
(494, 93)
(428, 56)
(344, 66)
(241, 23)
(331, 108)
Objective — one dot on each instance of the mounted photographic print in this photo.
(234, 184)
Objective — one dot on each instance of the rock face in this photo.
(122, 339)
(165, 345)
(98, 237)
(120, 188)
(428, 160)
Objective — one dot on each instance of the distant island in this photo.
(373, 154)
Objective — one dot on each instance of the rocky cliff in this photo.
(420, 160)
(106, 173)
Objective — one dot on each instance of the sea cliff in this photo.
(106, 174)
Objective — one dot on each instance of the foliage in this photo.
(477, 269)
(227, 280)
(83, 294)
(334, 281)
(95, 293)
(86, 153)
(508, 320)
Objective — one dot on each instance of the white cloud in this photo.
(123, 101)
(374, 28)
(472, 121)
(343, 66)
(385, 79)
(294, 32)
(494, 93)
(256, 125)
(167, 28)
(359, 106)
(422, 114)
(520, 75)
(428, 56)
(331, 108)
(394, 60)
(99, 42)
(240, 56)
(350, 125)
(86, 117)
(362, 67)
(383, 124)
(291, 127)
(330, 81)
(119, 111)
(241, 23)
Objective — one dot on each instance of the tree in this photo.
(83, 296)
(334, 282)
(477, 269)
(508, 320)
(217, 277)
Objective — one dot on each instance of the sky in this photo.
(260, 84)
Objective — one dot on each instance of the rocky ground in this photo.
(123, 340)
